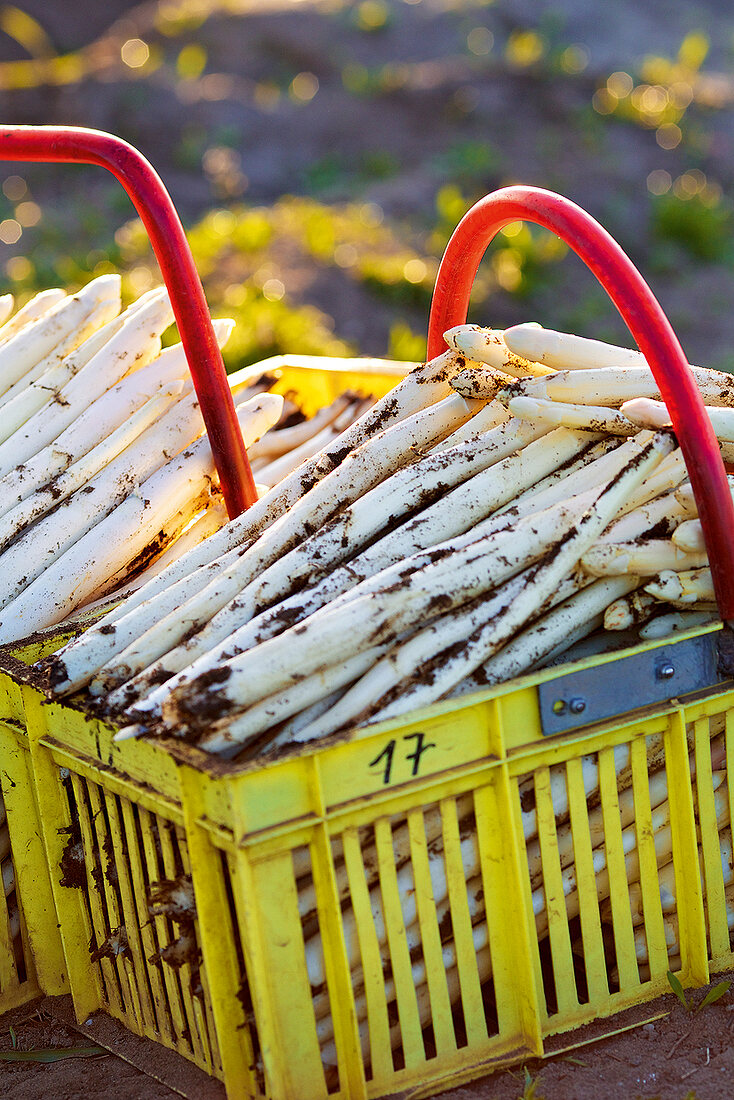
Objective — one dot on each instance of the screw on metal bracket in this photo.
(666, 672)
(577, 706)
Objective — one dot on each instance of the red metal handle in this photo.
(154, 205)
(644, 318)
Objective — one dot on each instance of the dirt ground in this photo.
(662, 1051)
(442, 102)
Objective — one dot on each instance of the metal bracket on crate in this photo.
(604, 691)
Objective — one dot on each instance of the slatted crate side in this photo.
(371, 951)
(133, 949)
(609, 820)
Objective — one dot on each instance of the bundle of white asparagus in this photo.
(104, 464)
(453, 536)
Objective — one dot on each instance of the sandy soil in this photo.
(662, 1051)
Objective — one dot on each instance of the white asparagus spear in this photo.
(17, 519)
(594, 418)
(565, 351)
(662, 515)
(6, 308)
(375, 612)
(406, 656)
(204, 525)
(479, 383)
(446, 670)
(78, 573)
(231, 735)
(175, 428)
(488, 346)
(654, 414)
(418, 390)
(663, 625)
(97, 421)
(34, 308)
(668, 476)
(56, 330)
(209, 520)
(34, 389)
(147, 555)
(274, 471)
(578, 474)
(567, 623)
(612, 386)
(684, 493)
(645, 557)
(686, 586)
(450, 516)
(512, 615)
(605, 459)
(689, 537)
(492, 415)
(56, 369)
(136, 343)
(72, 362)
(398, 369)
(74, 576)
(631, 610)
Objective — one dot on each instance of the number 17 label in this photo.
(408, 749)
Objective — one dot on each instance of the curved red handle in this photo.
(644, 318)
(154, 205)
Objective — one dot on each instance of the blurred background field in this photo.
(321, 151)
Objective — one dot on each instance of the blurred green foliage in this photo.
(246, 256)
(701, 227)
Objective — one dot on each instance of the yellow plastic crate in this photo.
(369, 913)
(365, 910)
